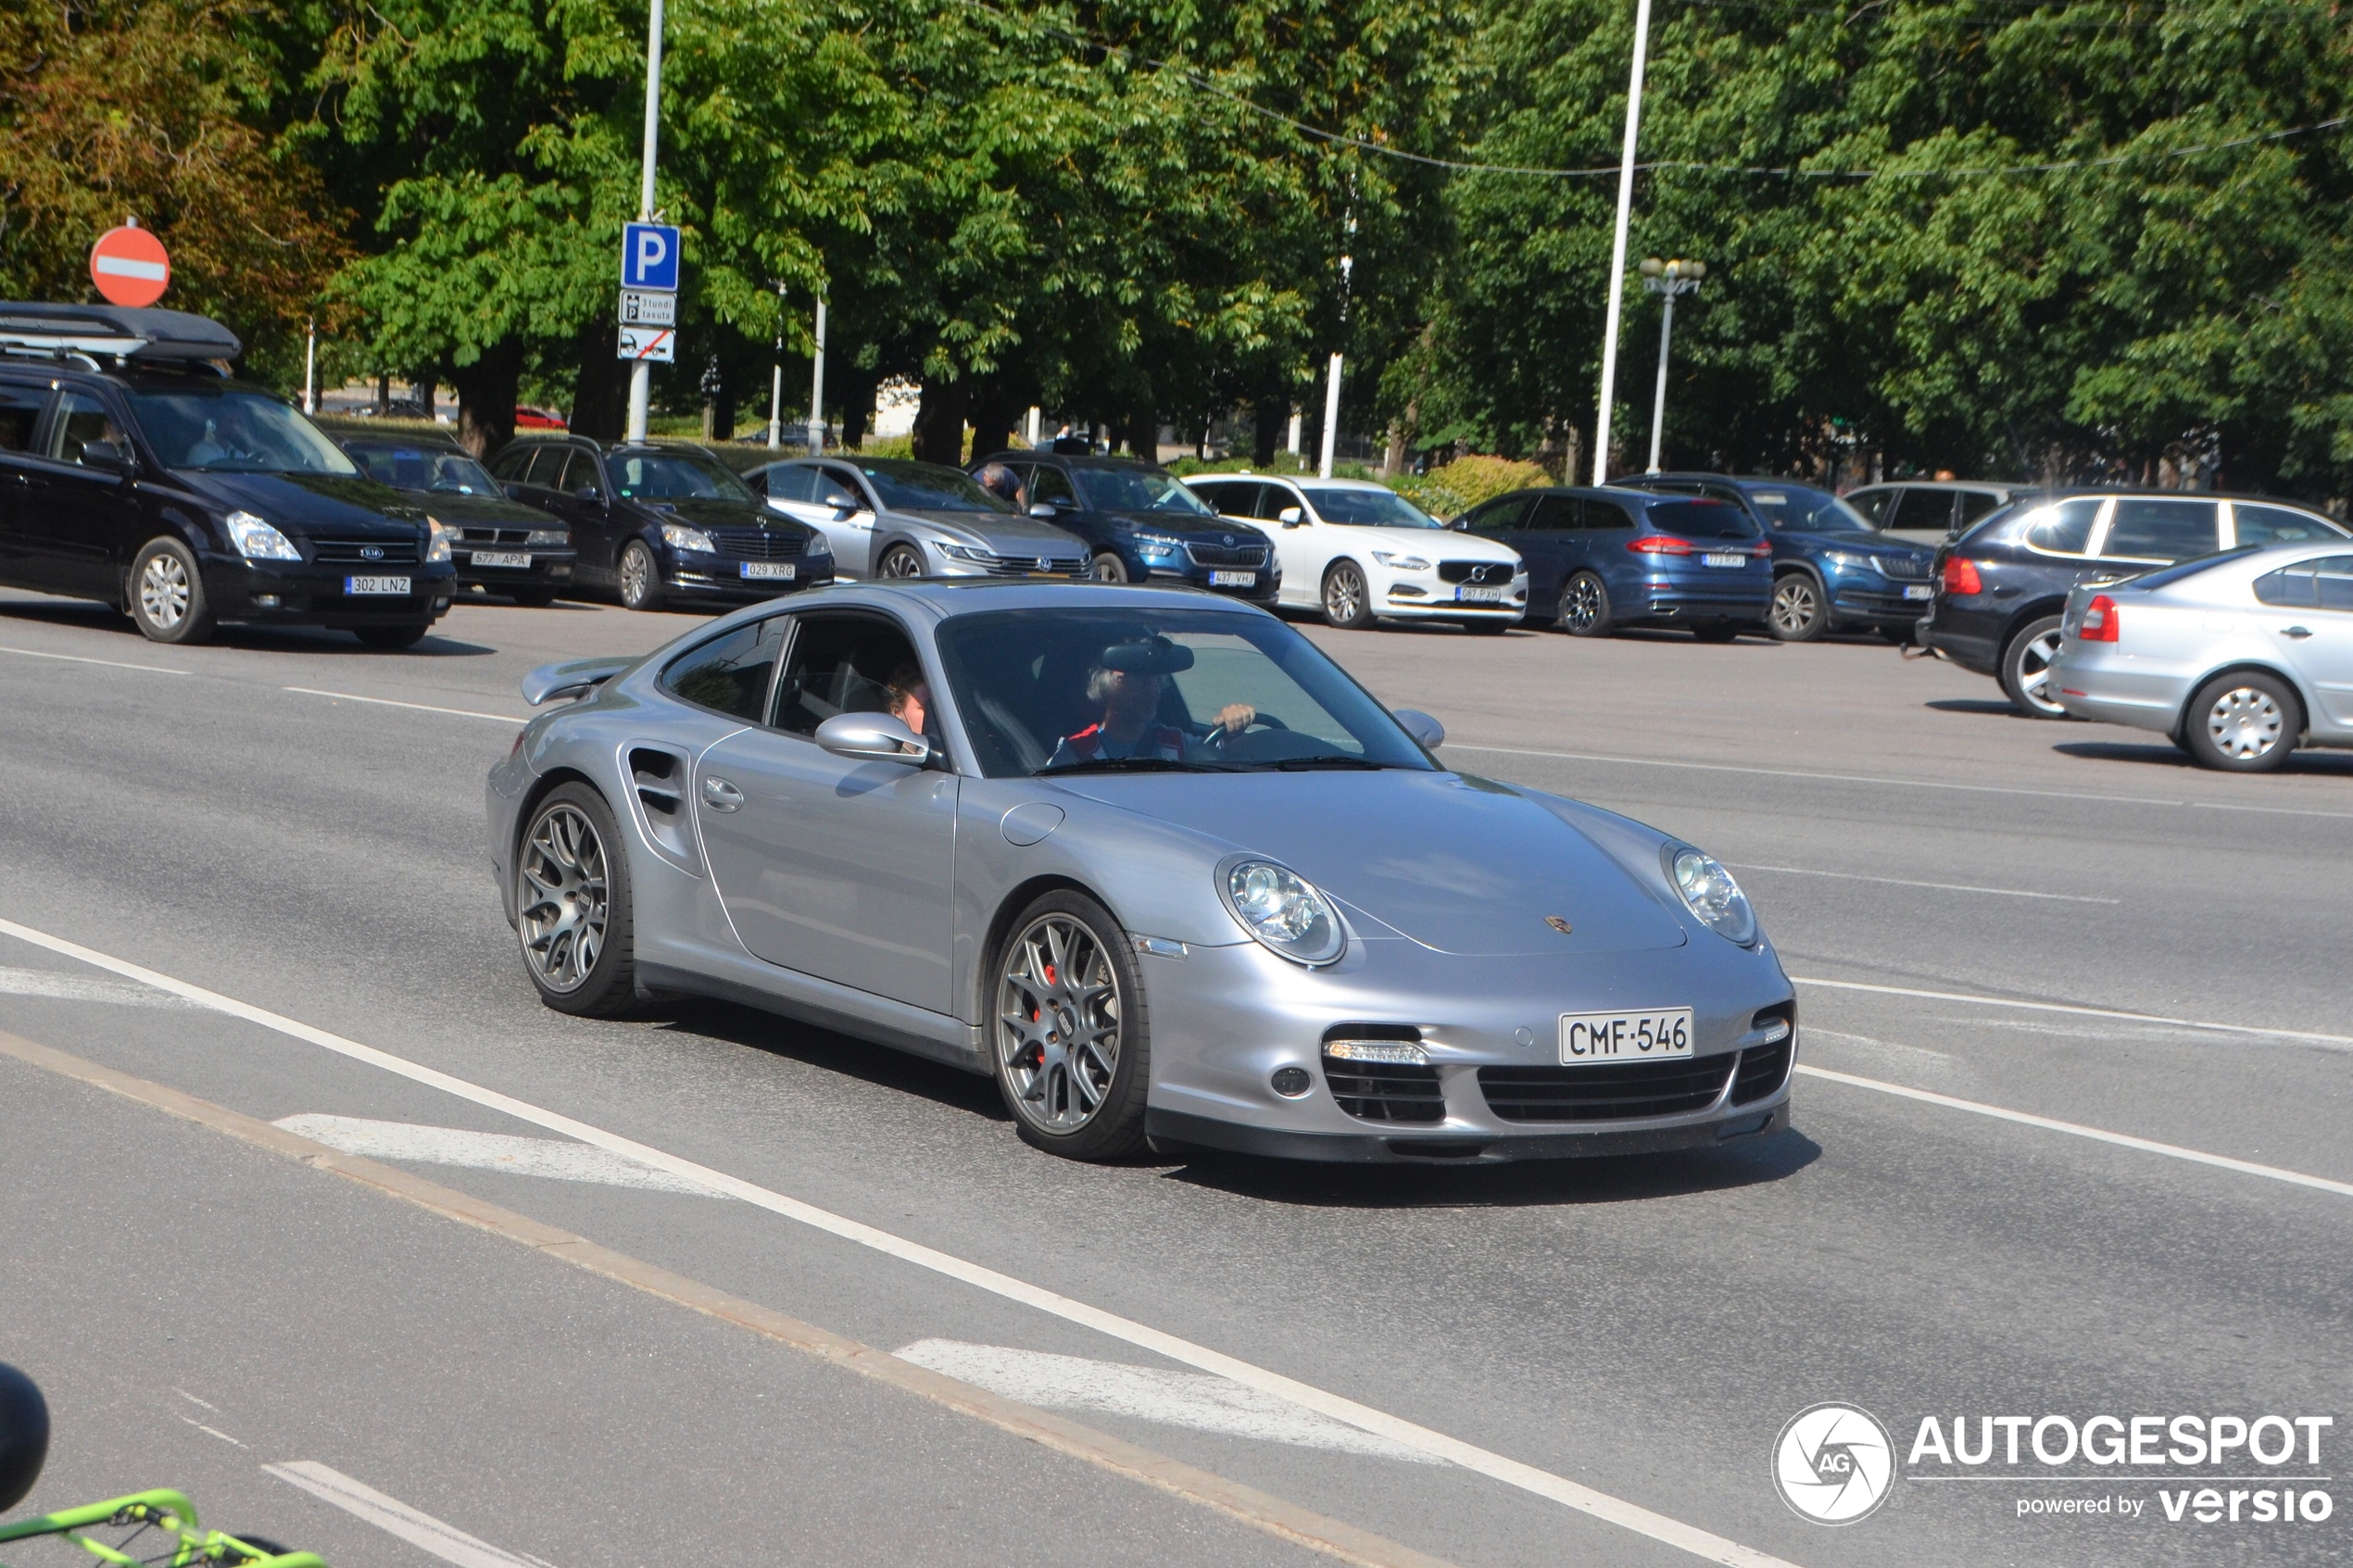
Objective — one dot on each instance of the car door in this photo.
(836, 868)
(844, 514)
(20, 405)
(1304, 546)
(1548, 540)
(76, 516)
(577, 492)
(2308, 614)
(1048, 485)
(1600, 545)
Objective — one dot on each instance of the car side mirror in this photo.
(112, 456)
(1044, 508)
(1291, 517)
(1428, 732)
(874, 737)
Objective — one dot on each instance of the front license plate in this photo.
(1478, 596)
(375, 585)
(502, 557)
(1625, 1036)
(777, 570)
(1919, 591)
(1233, 580)
(1723, 558)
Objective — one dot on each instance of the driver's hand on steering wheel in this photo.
(1236, 717)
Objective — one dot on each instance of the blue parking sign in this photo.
(650, 256)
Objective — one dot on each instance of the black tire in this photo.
(391, 639)
(640, 576)
(2247, 722)
(1715, 631)
(1584, 610)
(1109, 568)
(2025, 669)
(164, 594)
(1041, 1090)
(608, 988)
(532, 598)
(1348, 603)
(1799, 613)
(900, 561)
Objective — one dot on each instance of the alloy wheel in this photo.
(1058, 1030)
(636, 576)
(2034, 659)
(1344, 596)
(565, 898)
(1796, 609)
(2245, 723)
(163, 591)
(1581, 606)
(903, 562)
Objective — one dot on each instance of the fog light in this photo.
(1291, 1082)
(265, 601)
(1396, 1052)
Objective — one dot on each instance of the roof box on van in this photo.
(114, 330)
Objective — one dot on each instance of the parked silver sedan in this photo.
(1147, 858)
(891, 517)
(2239, 657)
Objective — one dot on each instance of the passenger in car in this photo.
(908, 697)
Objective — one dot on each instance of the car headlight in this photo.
(1400, 563)
(256, 540)
(557, 537)
(1157, 546)
(817, 546)
(963, 552)
(1709, 892)
(1847, 560)
(678, 536)
(437, 543)
(1281, 910)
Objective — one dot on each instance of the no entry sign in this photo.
(129, 266)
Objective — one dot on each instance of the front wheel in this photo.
(1070, 1042)
(640, 577)
(571, 905)
(2026, 669)
(1798, 614)
(1585, 607)
(2245, 723)
(1346, 602)
(900, 561)
(1109, 568)
(167, 595)
(391, 639)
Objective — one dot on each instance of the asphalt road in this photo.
(2017, 919)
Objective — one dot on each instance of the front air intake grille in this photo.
(1383, 1091)
(1763, 1069)
(1618, 1091)
(756, 544)
(355, 552)
(494, 536)
(1030, 566)
(1494, 573)
(1228, 555)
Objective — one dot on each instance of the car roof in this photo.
(2006, 487)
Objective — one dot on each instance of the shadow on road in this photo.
(1993, 708)
(90, 615)
(2320, 764)
(830, 1052)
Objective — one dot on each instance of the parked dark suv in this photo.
(2002, 586)
(1600, 559)
(662, 524)
(1140, 524)
(134, 471)
(495, 542)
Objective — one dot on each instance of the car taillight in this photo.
(1762, 548)
(2099, 620)
(1659, 545)
(1960, 576)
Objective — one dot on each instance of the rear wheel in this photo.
(2026, 669)
(1798, 614)
(640, 577)
(167, 595)
(1070, 1043)
(1585, 607)
(2244, 724)
(390, 638)
(1346, 602)
(900, 560)
(571, 904)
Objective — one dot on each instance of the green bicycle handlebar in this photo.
(165, 1510)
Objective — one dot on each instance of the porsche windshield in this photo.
(1120, 690)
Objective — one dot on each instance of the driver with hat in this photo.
(1127, 681)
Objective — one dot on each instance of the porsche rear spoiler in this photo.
(576, 677)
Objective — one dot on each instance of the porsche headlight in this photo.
(1281, 910)
(437, 545)
(678, 536)
(256, 540)
(1709, 892)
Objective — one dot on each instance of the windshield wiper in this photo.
(1303, 764)
(1132, 765)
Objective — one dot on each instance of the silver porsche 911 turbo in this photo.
(1151, 860)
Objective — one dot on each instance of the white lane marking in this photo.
(1905, 783)
(109, 663)
(394, 1517)
(1939, 887)
(2070, 1009)
(1438, 1445)
(81, 988)
(208, 1431)
(1196, 1400)
(2077, 1129)
(485, 1151)
(193, 1400)
(416, 707)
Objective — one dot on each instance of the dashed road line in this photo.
(2077, 1010)
(80, 658)
(394, 1517)
(1939, 887)
(414, 706)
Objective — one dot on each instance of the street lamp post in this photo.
(641, 373)
(1667, 279)
(817, 387)
(777, 376)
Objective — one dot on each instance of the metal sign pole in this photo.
(777, 376)
(1618, 243)
(310, 368)
(641, 373)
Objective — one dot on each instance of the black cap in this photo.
(24, 1436)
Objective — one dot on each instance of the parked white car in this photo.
(1360, 551)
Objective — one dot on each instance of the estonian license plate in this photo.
(1478, 596)
(375, 585)
(778, 570)
(1919, 591)
(502, 557)
(1723, 558)
(1625, 1036)
(1233, 580)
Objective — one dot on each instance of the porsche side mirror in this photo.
(874, 737)
(1291, 517)
(1428, 732)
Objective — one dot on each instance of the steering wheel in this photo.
(1219, 735)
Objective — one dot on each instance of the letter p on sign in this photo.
(650, 256)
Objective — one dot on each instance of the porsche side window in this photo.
(843, 664)
(729, 674)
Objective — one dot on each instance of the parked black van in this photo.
(133, 471)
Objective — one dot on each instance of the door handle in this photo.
(721, 796)
(2295, 630)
